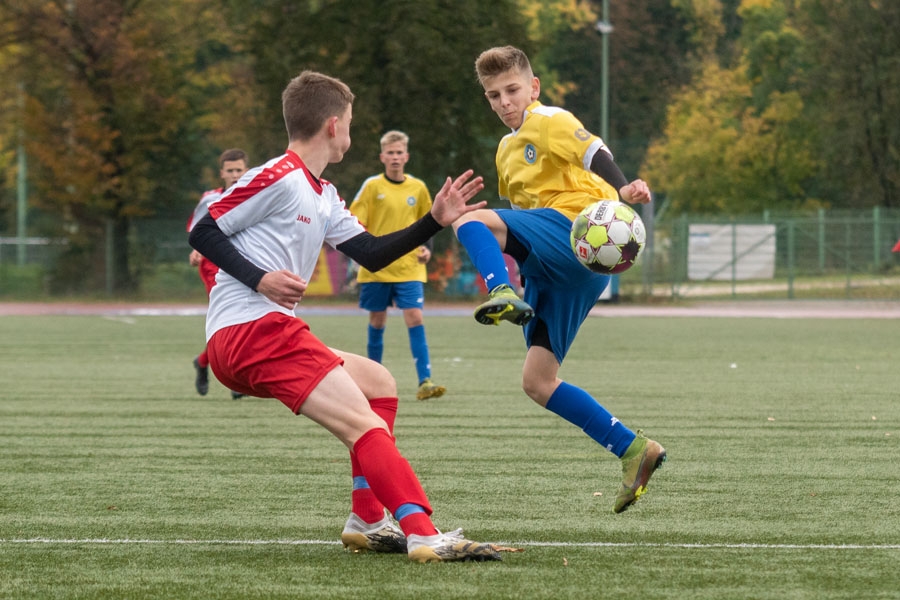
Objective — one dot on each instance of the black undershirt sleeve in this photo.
(603, 165)
(376, 252)
(207, 239)
(372, 252)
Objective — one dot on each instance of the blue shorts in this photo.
(560, 290)
(376, 296)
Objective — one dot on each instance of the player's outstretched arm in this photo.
(636, 192)
(451, 202)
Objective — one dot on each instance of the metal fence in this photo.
(827, 254)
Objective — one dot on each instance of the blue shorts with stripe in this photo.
(376, 296)
(560, 290)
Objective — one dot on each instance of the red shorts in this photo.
(208, 270)
(276, 356)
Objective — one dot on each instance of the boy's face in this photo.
(394, 157)
(231, 171)
(510, 93)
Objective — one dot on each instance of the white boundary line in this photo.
(686, 546)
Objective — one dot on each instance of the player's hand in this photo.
(283, 288)
(423, 254)
(636, 192)
(450, 202)
(195, 258)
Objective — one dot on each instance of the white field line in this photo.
(687, 546)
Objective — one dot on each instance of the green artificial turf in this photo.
(118, 481)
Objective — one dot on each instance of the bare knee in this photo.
(372, 378)
(382, 384)
(538, 388)
(378, 320)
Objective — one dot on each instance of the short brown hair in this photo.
(309, 100)
(498, 60)
(392, 137)
(232, 154)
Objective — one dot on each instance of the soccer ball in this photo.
(607, 237)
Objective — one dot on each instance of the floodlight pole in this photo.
(605, 28)
(21, 183)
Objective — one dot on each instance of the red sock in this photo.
(362, 501)
(392, 479)
(386, 408)
(203, 360)
(417, 523)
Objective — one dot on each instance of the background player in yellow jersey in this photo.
(549, 167)
(386, 203)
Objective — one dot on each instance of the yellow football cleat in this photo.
(504, 305)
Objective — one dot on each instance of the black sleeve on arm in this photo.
(603, 165)
(207, 239)
(376, 252)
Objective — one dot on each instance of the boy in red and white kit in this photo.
(232, 164)
(265, 233)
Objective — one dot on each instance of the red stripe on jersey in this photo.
(267, 176)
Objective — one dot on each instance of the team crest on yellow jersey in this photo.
(530, 154)
(411, 200)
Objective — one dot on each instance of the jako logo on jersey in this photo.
(530, 154)
(304, 219)
(411, 200)
(582, 134)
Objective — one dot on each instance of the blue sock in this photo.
(375, 346)
(579, 408)
(484, 252)
(419, 347)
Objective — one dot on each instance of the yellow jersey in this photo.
(384, 206)
(546, 163)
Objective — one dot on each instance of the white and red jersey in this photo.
(278, 216)
(202, 208)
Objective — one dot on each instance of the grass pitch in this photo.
(118, 481)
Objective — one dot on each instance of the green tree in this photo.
(852, 89)
(738, 138)
(689, 163)
(648, 60)
(410, 64)
(113, 120)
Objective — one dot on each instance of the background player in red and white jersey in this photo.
(266, 233)
(232, 164)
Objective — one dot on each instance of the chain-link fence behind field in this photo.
(833, 254)
(823, 255)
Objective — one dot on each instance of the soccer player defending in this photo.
(552, 167)
(232, 164)
(266, 233)
(385, 203)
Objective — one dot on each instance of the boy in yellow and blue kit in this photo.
(549, 168)
(386, 203)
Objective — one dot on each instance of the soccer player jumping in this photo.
(552, 167)
(266, 233)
